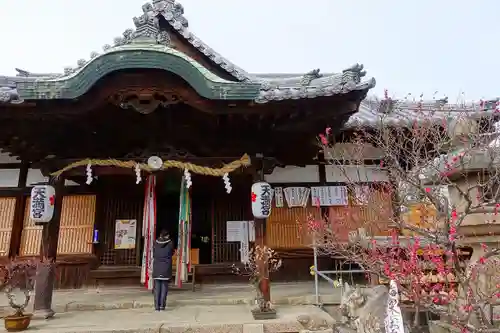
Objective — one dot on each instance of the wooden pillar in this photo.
(46, 274)
(17, 226)
(323, 210)
(260, 240)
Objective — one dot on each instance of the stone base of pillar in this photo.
(44, 288)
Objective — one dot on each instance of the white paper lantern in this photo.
(42, 203)
(261, 200)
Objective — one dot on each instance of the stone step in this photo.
(201, 319)
(146, 302)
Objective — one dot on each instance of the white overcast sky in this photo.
(408, 46)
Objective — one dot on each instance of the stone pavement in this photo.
(180, 319)
(293, 293)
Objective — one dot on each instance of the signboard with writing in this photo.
(297, 196)
(394, 319)
(329, 196)
(42, 203)
(125, 233)
(278, 197)
(234, 231)
(245, 246)
(261, 197)
(251, 231)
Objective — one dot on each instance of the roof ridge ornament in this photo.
(146, 26)
(353, 73)
(308, 77)
(173, 13)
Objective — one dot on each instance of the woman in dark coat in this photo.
(162, 268)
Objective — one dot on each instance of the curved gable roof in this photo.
(149, 35)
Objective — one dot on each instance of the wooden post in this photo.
(17, 228)
(46, 274)
(260, 240)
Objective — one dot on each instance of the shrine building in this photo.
(159, 91)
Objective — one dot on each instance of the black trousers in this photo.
(160, 291)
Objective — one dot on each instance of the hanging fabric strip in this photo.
(190, 233)
(152, 235)
(187, 235)
(180, 238)
(149, 229)
(184, 238)
(145, 218)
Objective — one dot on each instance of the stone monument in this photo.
(370, 310)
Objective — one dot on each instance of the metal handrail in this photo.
(323, 275)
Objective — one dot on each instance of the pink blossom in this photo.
(323, 139)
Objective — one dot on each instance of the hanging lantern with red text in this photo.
(42, 203)
(261, 200)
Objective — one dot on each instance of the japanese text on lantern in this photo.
(38, 202)
(42, 203)
(265, 199)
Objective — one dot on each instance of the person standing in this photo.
(163, 251)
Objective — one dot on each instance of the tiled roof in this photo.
(373, 113)
(277, 87)
(273, 87)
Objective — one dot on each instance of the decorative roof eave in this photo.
(137, 55)
(261, 89)
(403, 113)
(313, 84)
